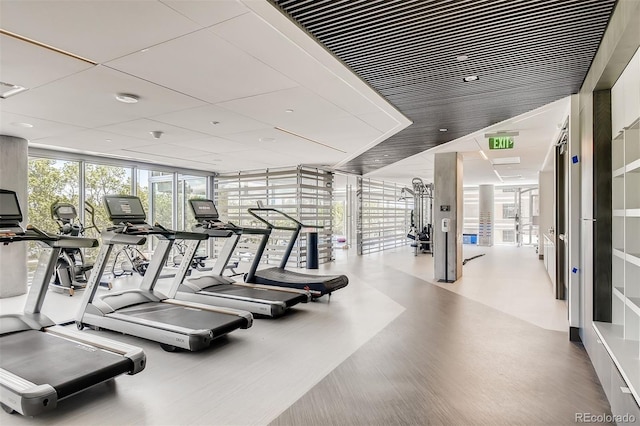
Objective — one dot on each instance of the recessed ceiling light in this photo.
(443, 129)
(267, 139)
(144, 50)
(215, 123)
(26, 125)
(483, 155)
(127, 98)
(288, 110)
(107, 140)
(506, 160)
(471, 78)
(386, 155)
(462, 58)
(376, 160)
(8, 89)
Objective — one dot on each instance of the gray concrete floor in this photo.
(391, 348)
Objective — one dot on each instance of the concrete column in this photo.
(485, 231)
(447, 204)
(13, 176)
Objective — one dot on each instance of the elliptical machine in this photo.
(72, 272)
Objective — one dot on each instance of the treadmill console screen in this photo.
(124, 208)
(9, 207)
(204, 209)
(65, 211)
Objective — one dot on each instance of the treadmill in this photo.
(318, 285)
(145, 312)
(216, 289)
(43, 363)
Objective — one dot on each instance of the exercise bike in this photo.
(72, 271)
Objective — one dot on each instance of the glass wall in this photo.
(78, 179)
(49, 181)
(189, 187)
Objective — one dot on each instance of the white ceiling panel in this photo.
(207, 13)
(93, 141)
(345, 133)
(201, 119)
(203, 65)
(40, 129)
(215, 145)
(141, 129)
(379, 120)
(21, 63)
(168, 149)
(273, 48)
(308, 108)
(86, 99)
(97, 30)
(287, 145)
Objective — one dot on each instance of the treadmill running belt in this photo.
(68, 366)
(256, 293)
(329, 282)
(181, 316)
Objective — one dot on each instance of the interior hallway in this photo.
(391, 348)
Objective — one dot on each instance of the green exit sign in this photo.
(501, 142)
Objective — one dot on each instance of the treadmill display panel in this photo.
(204, 209)
(65, 211)
(9, 207)
(124, 208)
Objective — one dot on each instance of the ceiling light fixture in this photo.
(25, 125)
(462, 58)
(157, 134)
(498, 174)
(484, 155)
(288, 110)
(127, 98)
(8, 89)
(506, 160)
(471, 78)
(443, 129)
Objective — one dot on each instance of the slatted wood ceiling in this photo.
(526, 53)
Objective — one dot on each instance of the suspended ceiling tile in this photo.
(94, 141)
(86, 99)
(211, 119)
(10, 126)
(142, 129)
(204, 66)
(170, 150)
(207, 13)
(220, 145)
(307, 108)
(273, 48)
(97, 30)
(27, 65)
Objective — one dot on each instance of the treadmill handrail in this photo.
(299, 224)
(53, 240)
(129, 229)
